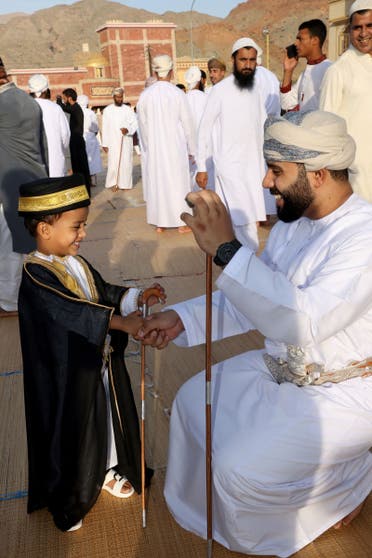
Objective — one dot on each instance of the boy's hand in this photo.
(130, 324)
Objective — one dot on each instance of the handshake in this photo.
(155, 330)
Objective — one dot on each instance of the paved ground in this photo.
(128, 251)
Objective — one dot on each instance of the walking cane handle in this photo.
(152, 291)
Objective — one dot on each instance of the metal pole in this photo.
(266, 34)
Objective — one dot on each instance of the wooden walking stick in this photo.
(208, 402)
(116, 187)
(208, 398)
(153, 291)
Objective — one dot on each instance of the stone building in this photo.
(338, 38)
(124, 59)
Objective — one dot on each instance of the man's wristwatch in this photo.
(226, 251)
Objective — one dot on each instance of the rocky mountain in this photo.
(54, 36)
(248, 19)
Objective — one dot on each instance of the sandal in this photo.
(76, 526)
(120, 481)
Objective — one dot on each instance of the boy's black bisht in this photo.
(62, 338)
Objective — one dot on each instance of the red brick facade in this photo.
(127, 50)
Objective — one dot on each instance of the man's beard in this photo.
(296, 199)
(244, 80)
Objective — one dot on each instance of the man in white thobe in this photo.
(91, 130)
(57, 129)
(346, 90)
(119, 123)
(167, 141)
(291, 424)
(305, 93)
(196, 99)
(237, 106)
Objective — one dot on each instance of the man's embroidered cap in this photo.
(47, 196)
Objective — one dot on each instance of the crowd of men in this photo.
(203, 139)
(310, 295)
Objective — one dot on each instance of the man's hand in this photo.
(201, 179)
(124, 131)
(210, 222)
(160, 328)
(289, 65)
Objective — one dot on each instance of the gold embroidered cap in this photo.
(47, 196)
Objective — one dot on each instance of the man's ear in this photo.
(319, 177)
(43, 229)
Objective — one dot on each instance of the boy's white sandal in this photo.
(119, 483)
(76, 526)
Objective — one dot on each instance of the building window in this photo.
(98, 72)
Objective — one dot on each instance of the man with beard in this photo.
(119, 124)
(291, 423)
(237, 107)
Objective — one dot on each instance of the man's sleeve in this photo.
(105, 129)
(331, 90)
(132, 123)
(142, 124)
(226, 320)
(334, 297)
(65, 129)
(187, 125)
(210, 115)
(289, 96)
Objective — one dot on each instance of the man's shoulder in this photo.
(224, 86)
(266, 75)
(108, 109)
(50, 106)
(348, 57)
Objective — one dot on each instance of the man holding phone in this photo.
(305, 93)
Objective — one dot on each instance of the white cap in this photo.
(83, 100)
(38, 84)
(162, 65)
(360, 5)
(246, 42)
(117, 91)
(192, 76)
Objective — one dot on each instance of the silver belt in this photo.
(294, 369)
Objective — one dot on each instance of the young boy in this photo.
(82, 426)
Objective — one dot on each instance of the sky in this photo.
(219, 8)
